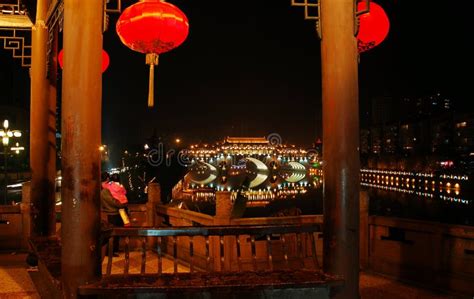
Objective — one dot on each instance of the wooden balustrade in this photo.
(217, 241)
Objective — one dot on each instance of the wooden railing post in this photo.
(364, 230)
(223, 208)
(223, 214)
(25, 208)
(154, 198)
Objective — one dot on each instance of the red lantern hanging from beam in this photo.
(105, 60)
(373, 27)
(152, 27)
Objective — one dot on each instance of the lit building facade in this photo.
(427, 127)
(260, 170)
(390, 138)
(464, 135)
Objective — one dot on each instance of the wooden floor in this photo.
(16, 282)
(118, 264)
(371, 285)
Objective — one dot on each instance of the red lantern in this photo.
(105, 60)
(373, 28)
(152, 27)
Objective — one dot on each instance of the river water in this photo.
(437, 207)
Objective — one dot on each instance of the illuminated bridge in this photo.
(260, 170)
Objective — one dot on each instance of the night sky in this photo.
(253, 68)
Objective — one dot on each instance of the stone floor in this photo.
(16, 281)
(375, 286)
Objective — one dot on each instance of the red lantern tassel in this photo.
(152, 60)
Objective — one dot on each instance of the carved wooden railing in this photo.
(219, 240)
(233, 260)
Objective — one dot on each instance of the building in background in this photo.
(425, 128)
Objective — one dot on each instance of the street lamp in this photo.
(6, 134)
(104, 152)
(17, 148)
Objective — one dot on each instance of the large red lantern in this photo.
(373, 28)
(105, 59)
(152, 27)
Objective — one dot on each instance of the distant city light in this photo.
(6, 133)
(17, 148)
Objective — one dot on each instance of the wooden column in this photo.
(81, 138)
(340, 143)
(42, 131)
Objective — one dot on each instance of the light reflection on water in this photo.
(452, 195)
(432, 206)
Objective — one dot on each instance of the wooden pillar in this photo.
(81, 138)
(340, 143)
(42, 131)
